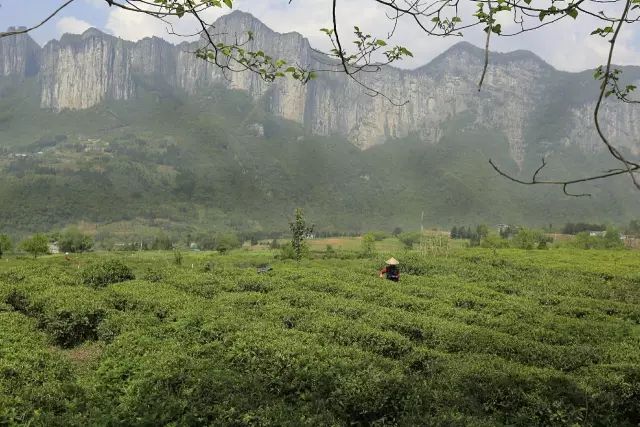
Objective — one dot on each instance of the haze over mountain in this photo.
(147, 131)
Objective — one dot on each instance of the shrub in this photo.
(530, 239)
(73, 240)
(227, 242)
(37, 244)
(494, 242)
(610, 240)
(177, 257)
(409, 239)
(412, 263)
(368, 245)
(274, 244)
(5, 244)
(106, 273)
(287, 252)
(329, 252)
(379, 235)
(154, 275)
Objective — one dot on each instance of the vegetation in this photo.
(105, 273)
(530, 239)
(475, 338)
(571, 228)
(38, 244)
(299, 232)
(227, 242)
(409, 239)
(610, 240)
(73, 240)
(6, 244)
(369, 245)
(129, 185)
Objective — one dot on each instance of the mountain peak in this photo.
(465, 48)
(238, 19)
(93, 32)
(69, 38)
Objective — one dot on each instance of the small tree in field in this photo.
(368, 245)
(274, 244)
(299, 232)
(409, 239)
(37, 244)
(73, 240)
(5, 244)
(611, 239)
(227, 242)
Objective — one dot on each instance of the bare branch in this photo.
(44, 21)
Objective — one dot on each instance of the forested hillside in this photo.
(218, 160)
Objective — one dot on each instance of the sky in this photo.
(566, 45)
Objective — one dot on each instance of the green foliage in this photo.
(380, 235)
(473, 338)
(287, 251)
(73, 240)
(368, 245)
(274, 244)
(571, 228)
(6, 245)
(584, 241)
(38, 244)
(131, 181)
(177, 257)
(227, 242)
(329, 252)
(530, 239)
(408, 239)
(162, 242)
(101, 274)
(610, 240)
(482, 231)
(299, 232)
(633, 228)
(37, 385)
(494, 242)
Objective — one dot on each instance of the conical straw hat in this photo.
(392, 261)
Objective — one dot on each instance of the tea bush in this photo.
(480, 337)
(106, 273)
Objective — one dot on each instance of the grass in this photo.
(479, 337)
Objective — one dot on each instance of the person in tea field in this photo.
(391, 270)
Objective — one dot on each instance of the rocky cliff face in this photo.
(81, 71)
(519, 94)
(19, 55)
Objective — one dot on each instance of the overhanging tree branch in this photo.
(44, 21)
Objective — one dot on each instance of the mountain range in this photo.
(100, 129)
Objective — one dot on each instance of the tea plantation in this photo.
(478, 338)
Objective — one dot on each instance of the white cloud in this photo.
(70, 24)
(95, 3)
(136, 26)
(133, 26)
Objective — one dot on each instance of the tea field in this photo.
(478, 338)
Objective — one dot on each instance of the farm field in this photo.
(480, 337)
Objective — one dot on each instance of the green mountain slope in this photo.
(218, 161)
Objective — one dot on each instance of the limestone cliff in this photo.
(521, 94)
(19, 55)
(80, 71)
